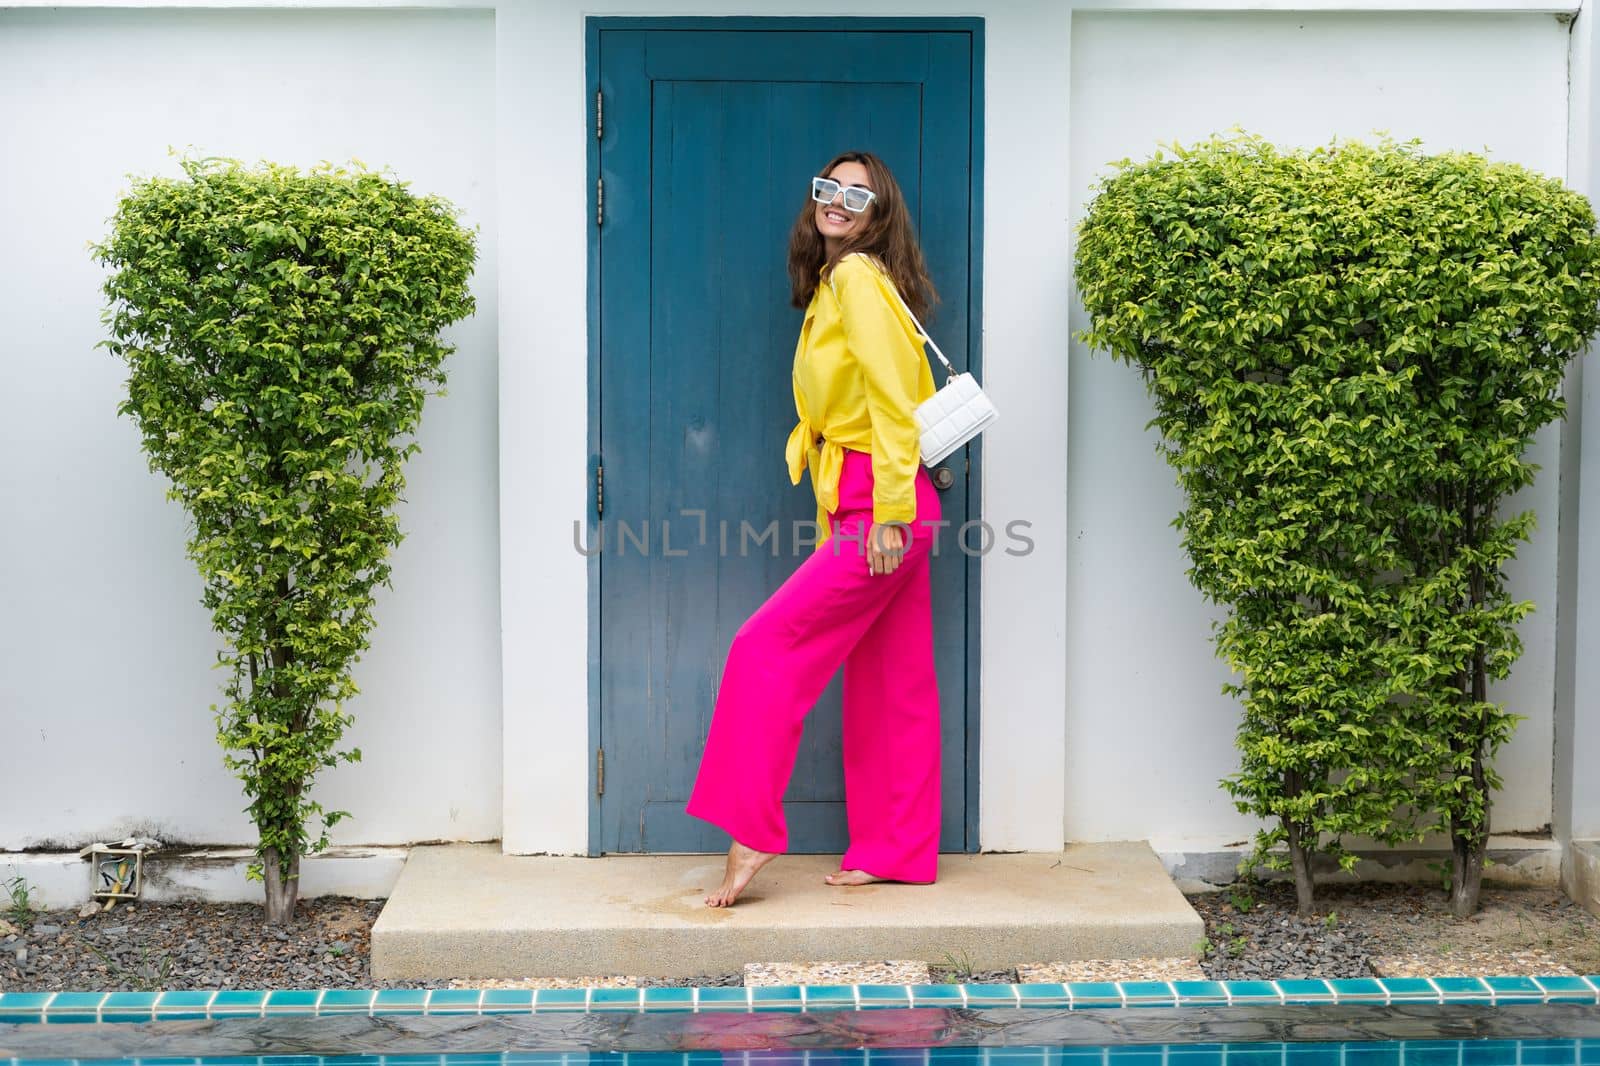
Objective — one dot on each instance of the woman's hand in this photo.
(885, 546)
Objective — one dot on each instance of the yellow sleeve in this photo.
(890, 362)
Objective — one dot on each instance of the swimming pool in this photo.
(1375, 1053)
(1523, 1021)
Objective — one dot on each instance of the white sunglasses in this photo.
(856, 197)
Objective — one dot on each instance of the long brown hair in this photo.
(888, 237)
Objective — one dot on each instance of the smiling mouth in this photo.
(834, 216)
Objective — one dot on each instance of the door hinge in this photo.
(600, 772)
(599, 201)
(599, 115)
(599, 491)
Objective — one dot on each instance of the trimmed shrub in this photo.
(280, 331)
(1348, 349)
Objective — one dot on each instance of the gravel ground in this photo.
(1252, 935)
(1255, 933)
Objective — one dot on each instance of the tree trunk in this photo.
(1300, 862)
(1470, 842)
(283, 886)
(1466, 875)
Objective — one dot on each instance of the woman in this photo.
(862, 598)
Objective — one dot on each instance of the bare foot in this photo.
(743, 863)
(851, 877)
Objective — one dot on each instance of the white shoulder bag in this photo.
(953, 415)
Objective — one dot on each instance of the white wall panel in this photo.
(1148, 732)
(105, 649)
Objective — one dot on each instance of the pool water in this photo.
(1540, 1052)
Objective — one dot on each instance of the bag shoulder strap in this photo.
(903, 306)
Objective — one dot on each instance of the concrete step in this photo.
(466, 910)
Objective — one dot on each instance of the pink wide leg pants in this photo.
(834, 611)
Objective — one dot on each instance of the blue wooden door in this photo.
(707, 141)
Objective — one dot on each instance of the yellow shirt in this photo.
(859, 373)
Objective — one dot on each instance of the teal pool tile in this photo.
(1431, 1053)
(347, 1001)
(1488, 1052)
(1410, 988)
(830, 997)
(1357, 989)
(1195, 993)
(1512, 984)
(679, 1058)
(1254, 992)
(884, 995)
(1566, 989)
(75, 1005)
(668, 999)
(399, 1001)
(635, 1058)
(1183, 1055)
(990, 996)
(612, 999)
(562, 999)
(453, 1000)
(23, 1006)
(1589, 1052)
(936, 995)
(1305, 991)
(1256, 1055)
(1312, 1054)
(293, 1001)
(1134, 1056)
(1148, 994)
(237, 1003)
(1456, 987)
(1043, 994)
(1076, 1056)
(726, 998)
(1094, 994)
(507, 1001)
(771, 997)
(1548, 1053)
(182, 1005)
(958, 1056)
(129, 1007)
(1514, 990)
(1381, 1054)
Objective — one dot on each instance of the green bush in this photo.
(280, 330)
(1310, 325)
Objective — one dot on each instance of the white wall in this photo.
(105, 649)
(1138, 645)
(1101, 716)
(1577, 725)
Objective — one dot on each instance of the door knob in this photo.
(943, 478)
